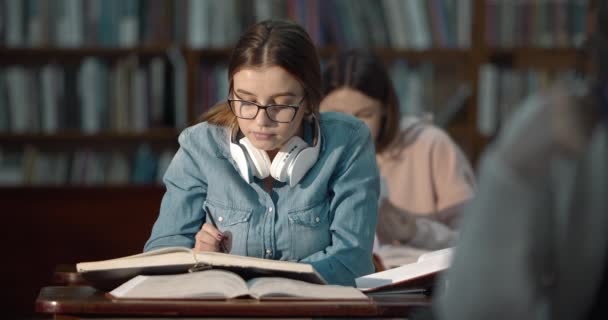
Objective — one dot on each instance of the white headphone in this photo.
(290, 164)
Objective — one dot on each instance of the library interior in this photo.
(94, 94)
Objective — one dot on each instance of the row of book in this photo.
(503, 90)
(78, 23)
(130, 95)
(422, 88)
(540, 23)
(427, 89)
(417, 24)
(83, 167)
(411, 24)
(125, 95)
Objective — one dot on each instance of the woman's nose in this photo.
(262, 118)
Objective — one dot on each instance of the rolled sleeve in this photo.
(181, 214)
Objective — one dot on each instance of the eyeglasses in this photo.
(282, 113)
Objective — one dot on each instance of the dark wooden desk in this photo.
(81, 302)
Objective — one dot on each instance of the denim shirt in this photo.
(328, 219)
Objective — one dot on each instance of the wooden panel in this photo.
(44, 227)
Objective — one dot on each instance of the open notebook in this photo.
(222, 284)
(108, 274)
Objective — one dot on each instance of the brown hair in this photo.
(364, 72)
(273, 43)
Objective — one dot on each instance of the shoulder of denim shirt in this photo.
(205, 136)
(334, 122)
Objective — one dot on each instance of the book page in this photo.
(166, 256)
(438, 254)
(218, 284)
(158, 257)
(432, 264)
(224, 259)
(398, 255)
(269, 287)
(108, 274)
(185, 256)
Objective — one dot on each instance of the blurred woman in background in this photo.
(427, 179)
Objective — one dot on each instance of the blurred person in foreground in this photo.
(534, 242)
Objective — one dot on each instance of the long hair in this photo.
(273, 43)
(364, 72)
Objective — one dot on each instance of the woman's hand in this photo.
(394, 224)
(209, 238)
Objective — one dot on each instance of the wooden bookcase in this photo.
(462, 129)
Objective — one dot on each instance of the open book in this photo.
(108, 274)
(414, 276)
(392, 256)
(222, 284)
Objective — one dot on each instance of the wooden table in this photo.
(84, 302)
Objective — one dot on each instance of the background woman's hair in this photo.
(364, 72)
(273, 43)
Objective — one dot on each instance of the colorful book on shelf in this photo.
(412, 277)
(108, 274)
(223, 284)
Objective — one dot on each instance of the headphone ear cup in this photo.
(295, 158)
(301, 164)
(258, 158)
(285, 159)
(242, 162)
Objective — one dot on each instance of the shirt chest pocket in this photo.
(232, 222)
(309, 230)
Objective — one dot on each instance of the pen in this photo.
(222, 245)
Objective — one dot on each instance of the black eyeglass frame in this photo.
(296, 107)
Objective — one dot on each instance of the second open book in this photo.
(222, 284)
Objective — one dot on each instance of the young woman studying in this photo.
(278, 179)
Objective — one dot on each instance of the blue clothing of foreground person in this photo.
(280, 180)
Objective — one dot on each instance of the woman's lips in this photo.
(262, 136)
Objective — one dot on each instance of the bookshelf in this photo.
(519, 36)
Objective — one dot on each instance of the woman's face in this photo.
(353, 102)
(264, 86)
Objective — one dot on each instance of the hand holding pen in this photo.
(210, 238)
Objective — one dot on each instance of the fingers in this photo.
(204, 242)
(213, 231)
(208, 239)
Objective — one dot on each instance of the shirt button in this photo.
(270, 210)
(220, 219)
(317, 219)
